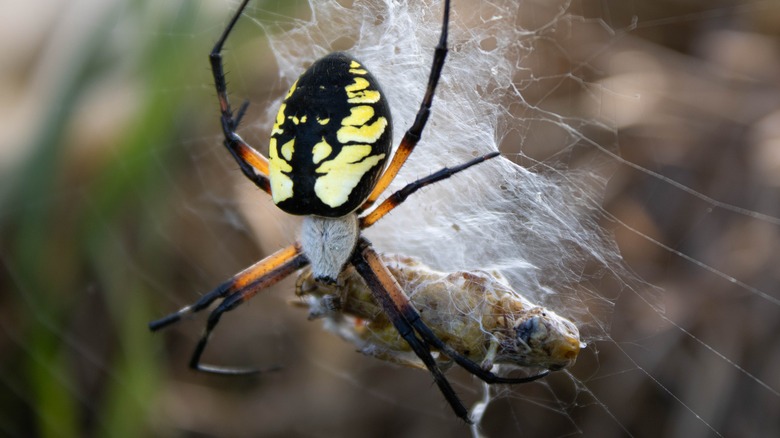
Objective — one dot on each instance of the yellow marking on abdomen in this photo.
(279, 120)
(343, 173)
(358, 92)
(288, 149)
(291, 90)
(358, 116)
(359, 84)
(363, 134)
(320, 151)
(366, 96)
(281, 184)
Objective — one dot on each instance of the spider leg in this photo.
(240, 114)
(252, 163)
(386, 291)
(244, 286)
(472, 367)
(412, 317)
(413, 134)
(265, 272)
(400, 196)
(229, 303)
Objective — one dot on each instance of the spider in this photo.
(328, 149)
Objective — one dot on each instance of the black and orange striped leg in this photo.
(268, 266)
(252, 163)
(386, 291)
(234, 292)
(467, 364)
(412, 317)
(414, 133)
(400, 196)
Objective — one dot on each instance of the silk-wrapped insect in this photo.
(474, 312)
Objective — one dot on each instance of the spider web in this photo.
(636, 195)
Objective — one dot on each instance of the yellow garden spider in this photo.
(328, 149)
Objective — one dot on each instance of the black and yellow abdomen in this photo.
(331, 139)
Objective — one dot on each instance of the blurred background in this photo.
(119, 205)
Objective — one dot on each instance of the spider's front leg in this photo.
(369, 262)
(389, 295)
(414, 133)
(252, 163)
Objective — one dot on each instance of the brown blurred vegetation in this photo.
(118, 204)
